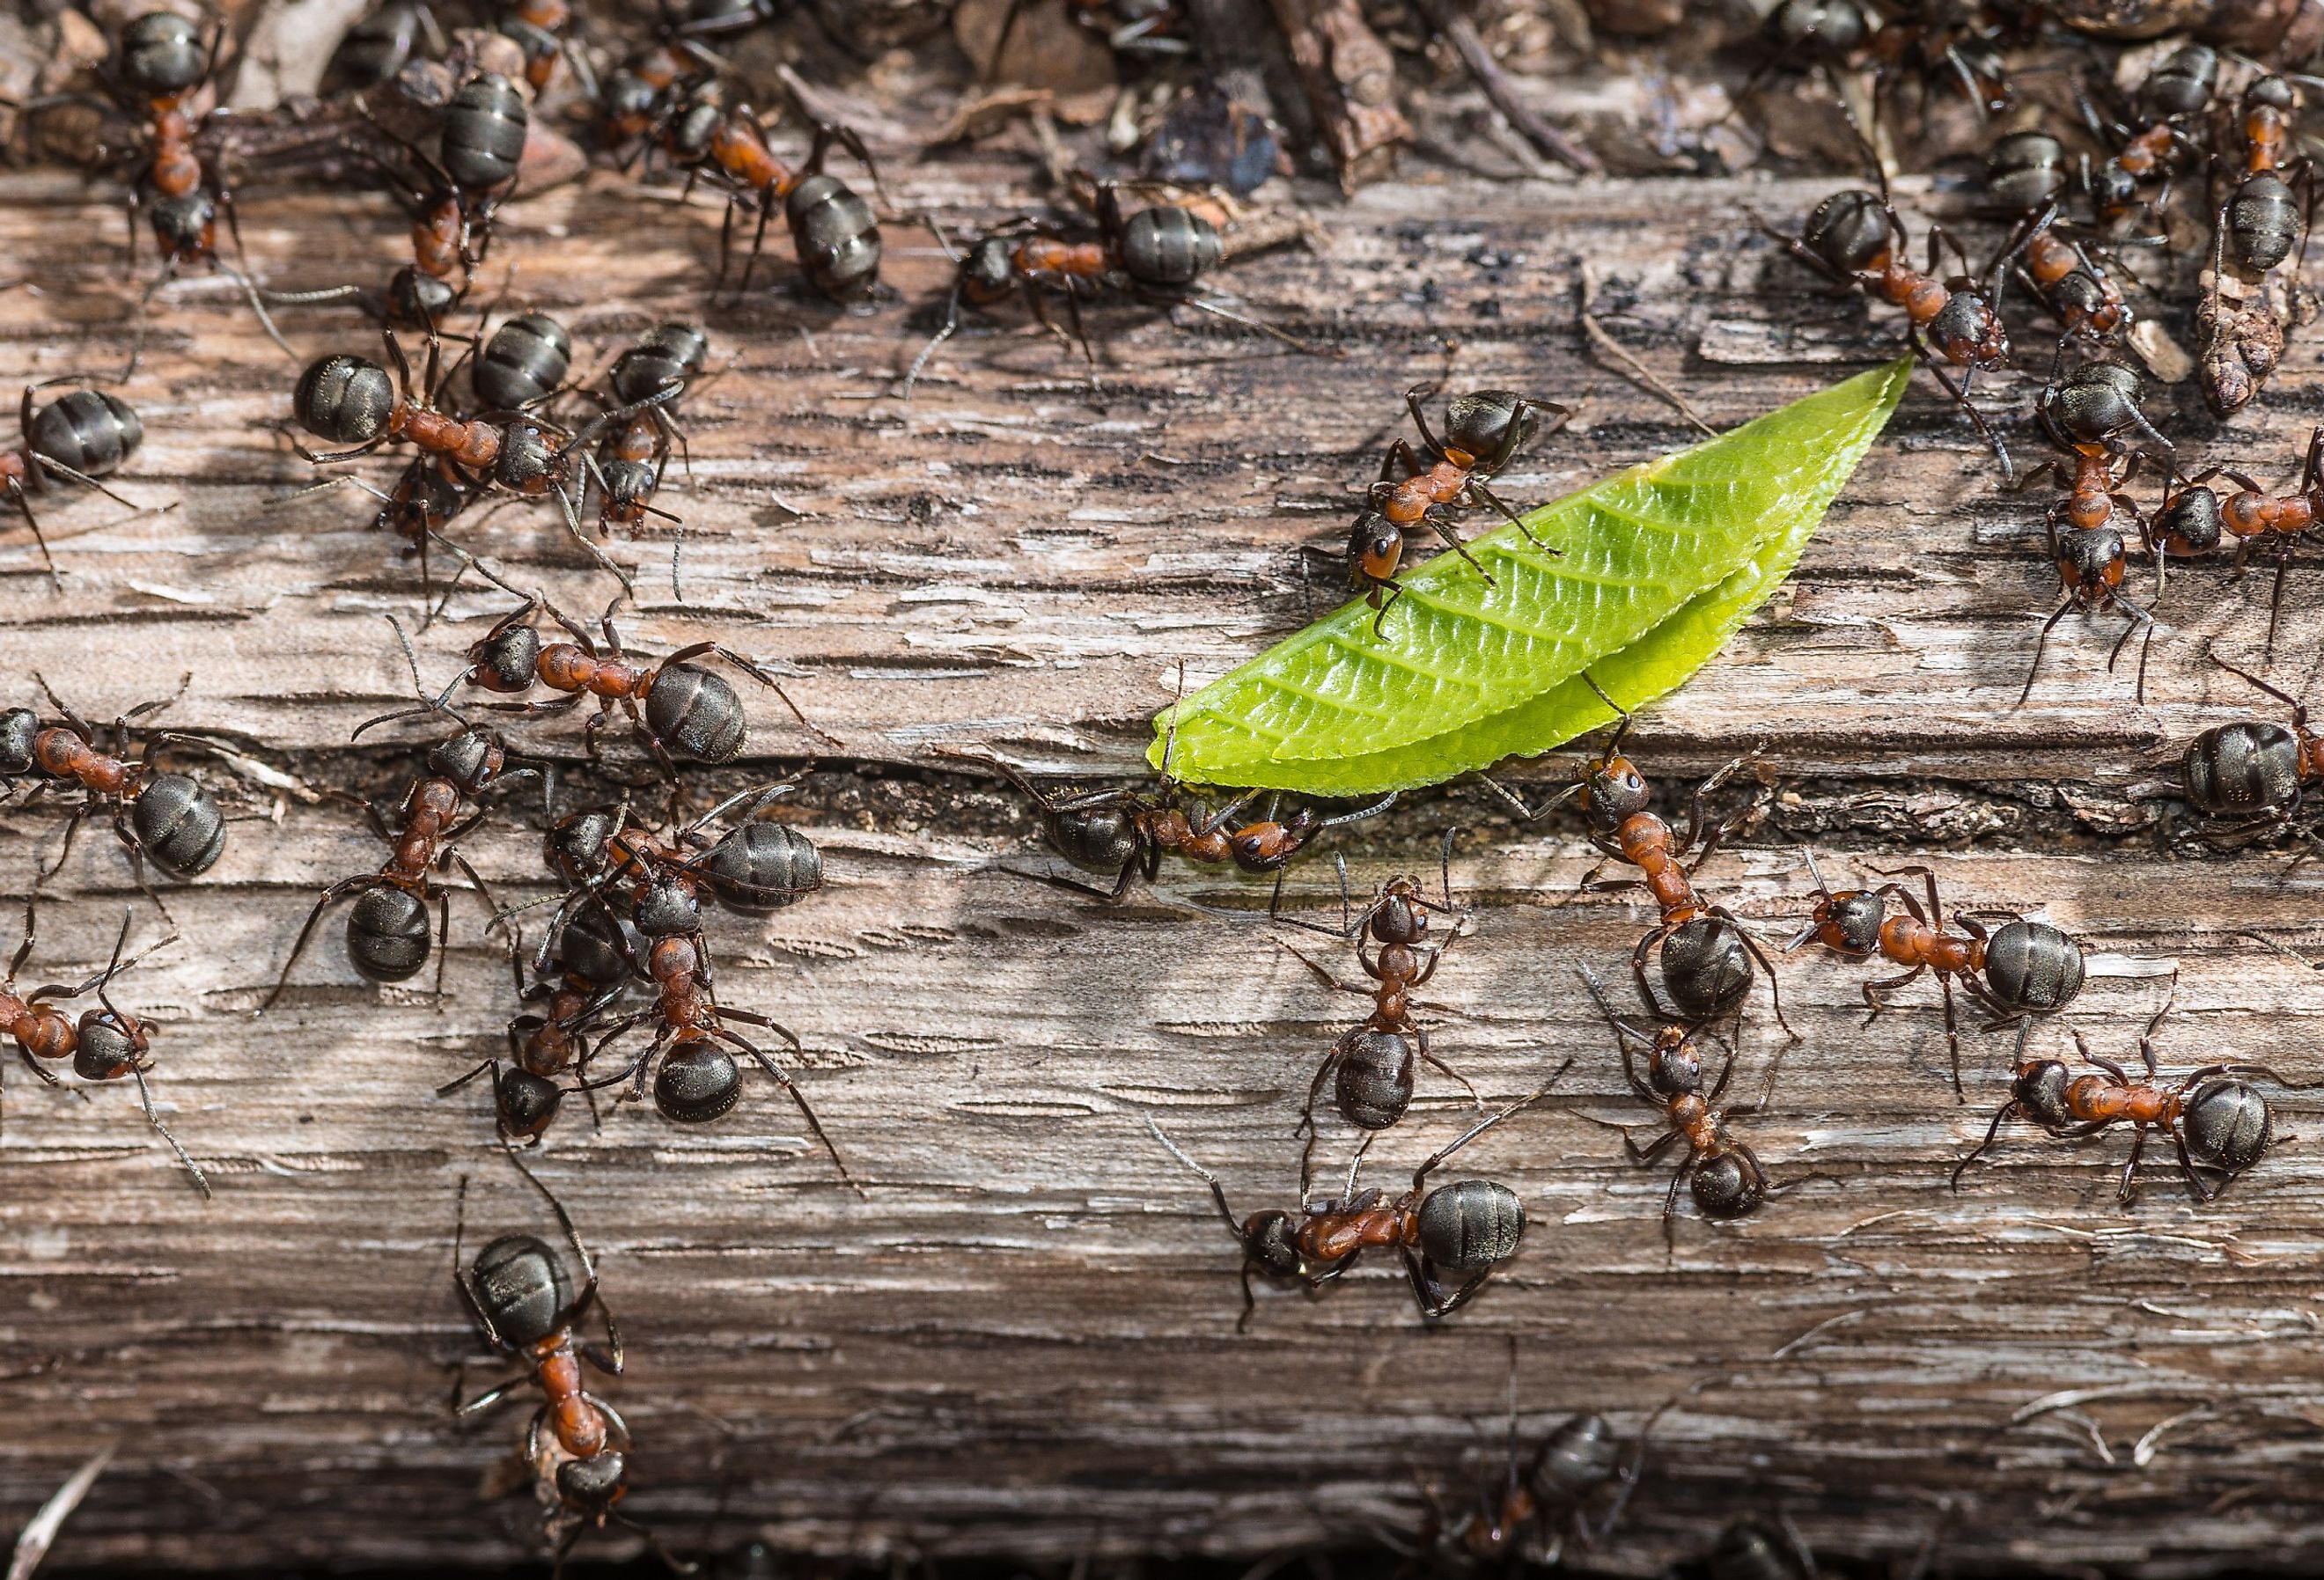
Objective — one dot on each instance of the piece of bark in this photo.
(284, 56)
(1349, 77)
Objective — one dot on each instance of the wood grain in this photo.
(1024, 1340)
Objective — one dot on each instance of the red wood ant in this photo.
(1127, 831)
(104, 1045)
(2220, 1125)
(2015, 972)
(1465, 1229)
(387, 930)
(2251, 769)
(1156, 255)
(1706, 954)
(170, 818)
(352, 401)
(677, 708)
(1373, 1062)
(834, 234)
(523, 1302)
(1856, 239)
(2025, 175)
(547, 30)
(1723, 1175)
(1525, 1523)
(545, 1043)
(82, 436)
(2175, 93)
(2252, 515)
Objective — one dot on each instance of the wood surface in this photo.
(1022, 1340)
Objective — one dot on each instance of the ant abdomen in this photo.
(178, 823)
(344, 398)
(161, 53)
(2026, 169)
(1579, 1455)
(524, 362)
(2249, 767)
(522, 1288)
(1848, 230)
(1490, 426)
(602, 948)
(2226, 1125)
(1168, 246)
(837, 236)
(673, 351)
(1706, 968)
(1728, 1184)
(697, 1082)
(387, 934)
(2032, 966)
(1471, 1225)
(762, 867)
(693, 713)
(2263, 221)
(1373, 1084)
(483, 133)
(93, 432)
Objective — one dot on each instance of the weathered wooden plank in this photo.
(1024, 1341)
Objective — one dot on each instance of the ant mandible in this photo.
(2015, 972)
(1723, 1175)
(1466, 1229)
(104, 1045)
(2220, 1125)
(1371, 1065)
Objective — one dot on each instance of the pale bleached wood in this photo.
(1024, 1340)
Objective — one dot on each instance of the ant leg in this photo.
(2039, 642)
(1873, 988)
(1422, 1038)
(145, 1096)
(17, 497)
(2275, 600)
(1515, 520)
(2125, 1192)
(1443, 529)
(806, 1111)
(492, 1065)
(1952, 1035)
(1991, 1130)
(329, 897)
(757, 242)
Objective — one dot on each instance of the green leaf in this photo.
(1464, 664)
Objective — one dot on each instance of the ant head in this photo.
(576, 846)
(691, 129)
(1489, 426)
(530, 457)
(1968, 331)
(2040, 1089)
(1849, 231)
(162, 54)
(418, 299)
(109, 1045)
(1841, 26)
(697, 1082)
(1849, 921)
(1267, 846)
(669, 908)
(526, 1102)
(185, 224)
(627, 104)
(2025, 170)
(591, 1486)
(522, 1287)
(1613, 790)
(989, 272)
(2096, 405)
(1673, 1067)
(1401, 917)
(472, 760)
(504, 661)
(344, 398)
(2090, 559)
(2112, 189)
(1579, 1455)
(1375, 548)
(2226, 1125)
(19, 728)
(1470, 1226)
(1728, 1184)
(1271, 1240)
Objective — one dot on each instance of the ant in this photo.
(1466, 1229)
(2015, 972)
(523, 1303)
(697, 1080)
(2025, 175)
(1723, 1175)
(2219, 1125)
(1370, 1066)
(629, 464)
(387, 930)
(1706, 954)
(834, 234)
(2175, 93)
(547, 30)
(679, 708)
(104, 1045)
(1483, 431)
(2250, 514)
(377, 49)
(1127, 832)
(1158, 256)
(353, 402)
(543, 1045)
(2089, 416)
(2254, 770)
(1747, 1549)
(1856, 239)
(168, 818)
(2239, 321)
(756, 868)
(83, 435)
(1517, 1527)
